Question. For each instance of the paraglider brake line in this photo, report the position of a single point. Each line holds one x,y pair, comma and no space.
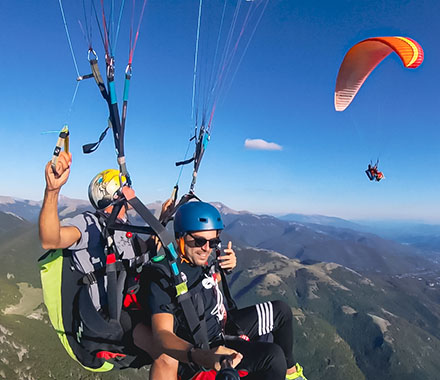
68,37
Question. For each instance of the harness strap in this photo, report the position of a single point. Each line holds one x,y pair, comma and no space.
185,162
202,143
194,314
90,278
114,121
128,73
156,227
90,148
115,272
129,228
200,148
196,322
183,296
98,78
120,293
229,323
112,286
226,291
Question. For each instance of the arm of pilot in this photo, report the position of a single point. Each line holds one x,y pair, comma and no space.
170,344
52,235
153,242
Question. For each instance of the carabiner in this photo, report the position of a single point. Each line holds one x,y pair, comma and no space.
110,68
128,71
90,52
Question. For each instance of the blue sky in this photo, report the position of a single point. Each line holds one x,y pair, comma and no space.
282,93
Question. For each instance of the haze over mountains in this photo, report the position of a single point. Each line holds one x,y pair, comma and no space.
364,307
422,236
312,243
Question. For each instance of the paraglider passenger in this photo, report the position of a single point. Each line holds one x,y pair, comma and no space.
197,227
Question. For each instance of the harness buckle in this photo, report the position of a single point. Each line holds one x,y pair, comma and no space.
181,288
89,279
133,289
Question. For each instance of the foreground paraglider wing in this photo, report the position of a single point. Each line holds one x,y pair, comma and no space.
363,58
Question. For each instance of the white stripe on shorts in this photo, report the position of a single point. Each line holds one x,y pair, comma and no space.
260,332
265,318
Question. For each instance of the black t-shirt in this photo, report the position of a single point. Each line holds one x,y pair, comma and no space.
201,283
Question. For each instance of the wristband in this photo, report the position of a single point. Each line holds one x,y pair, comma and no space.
189,355
191,361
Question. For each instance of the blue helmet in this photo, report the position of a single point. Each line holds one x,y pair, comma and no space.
197,216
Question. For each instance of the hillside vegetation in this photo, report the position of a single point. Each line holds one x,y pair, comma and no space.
349,323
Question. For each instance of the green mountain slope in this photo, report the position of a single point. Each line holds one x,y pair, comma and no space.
381,327
9,222
19,253
30,349
346,325
29,346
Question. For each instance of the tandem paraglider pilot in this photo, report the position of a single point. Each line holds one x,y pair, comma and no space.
82,236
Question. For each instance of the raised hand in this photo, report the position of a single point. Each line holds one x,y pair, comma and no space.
56,178
229,260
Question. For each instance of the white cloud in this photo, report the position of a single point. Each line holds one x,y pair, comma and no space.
260,144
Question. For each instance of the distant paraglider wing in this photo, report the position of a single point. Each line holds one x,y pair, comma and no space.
363,58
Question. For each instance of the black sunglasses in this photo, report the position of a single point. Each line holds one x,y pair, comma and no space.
200,242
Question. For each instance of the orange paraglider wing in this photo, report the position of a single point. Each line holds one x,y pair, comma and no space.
363,58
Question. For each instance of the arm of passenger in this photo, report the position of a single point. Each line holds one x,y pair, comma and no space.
170,344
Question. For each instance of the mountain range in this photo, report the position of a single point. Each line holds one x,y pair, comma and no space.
316,242
348,325
323,220
425,237
364,307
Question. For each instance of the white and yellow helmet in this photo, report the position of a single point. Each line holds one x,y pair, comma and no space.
104,187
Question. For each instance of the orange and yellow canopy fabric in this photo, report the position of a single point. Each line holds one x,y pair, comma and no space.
363,58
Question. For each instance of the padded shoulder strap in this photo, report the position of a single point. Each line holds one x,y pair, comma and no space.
191,307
